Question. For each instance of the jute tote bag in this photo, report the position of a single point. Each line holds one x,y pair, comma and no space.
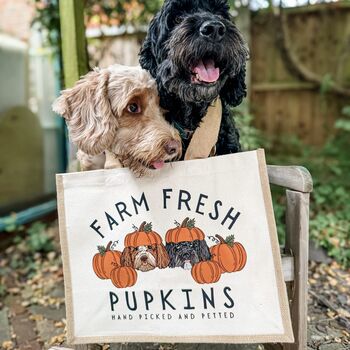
188,255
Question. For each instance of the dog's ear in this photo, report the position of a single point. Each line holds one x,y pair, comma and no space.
162,256
171,253
61,107
234,89
87,110
147,53
127,259
153,49
203,251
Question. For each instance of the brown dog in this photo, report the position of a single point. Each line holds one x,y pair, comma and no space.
114,118
145,258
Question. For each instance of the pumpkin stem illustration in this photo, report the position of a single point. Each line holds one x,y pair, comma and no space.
189,223
103,250
184,223
142,227
221,239
108,248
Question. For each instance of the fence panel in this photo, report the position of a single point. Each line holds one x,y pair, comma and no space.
283,103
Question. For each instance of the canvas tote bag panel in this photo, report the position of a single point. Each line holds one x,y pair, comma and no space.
199,250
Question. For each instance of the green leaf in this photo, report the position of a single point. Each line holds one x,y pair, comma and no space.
101,249
191,223
343,124
346,111
230,240
38,240
327,82
148,227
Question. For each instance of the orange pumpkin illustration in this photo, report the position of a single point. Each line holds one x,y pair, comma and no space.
123,277
230,255
206,272
105,261
186,232
144,236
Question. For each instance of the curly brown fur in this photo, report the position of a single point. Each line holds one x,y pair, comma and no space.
145,258
162,256
117,110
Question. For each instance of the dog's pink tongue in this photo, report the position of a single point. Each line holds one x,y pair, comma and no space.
206,71
158,164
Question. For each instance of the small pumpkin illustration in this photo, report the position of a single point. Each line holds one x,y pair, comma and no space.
105,261
123,277
230,255
206,272
186,232
143,236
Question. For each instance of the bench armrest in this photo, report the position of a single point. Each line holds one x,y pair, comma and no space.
295,178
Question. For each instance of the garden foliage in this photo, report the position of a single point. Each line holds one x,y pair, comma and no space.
330,169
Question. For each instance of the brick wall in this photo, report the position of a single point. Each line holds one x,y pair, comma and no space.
16,17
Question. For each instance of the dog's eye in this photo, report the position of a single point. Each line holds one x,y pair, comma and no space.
149,247
134,108
178,19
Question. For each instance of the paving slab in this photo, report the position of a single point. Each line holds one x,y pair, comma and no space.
5,331
14,303
58,291
332,346
47,330
30,345
48,312
23,327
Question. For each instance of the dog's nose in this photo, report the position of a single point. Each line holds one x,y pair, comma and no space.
144,258
214,30
172,147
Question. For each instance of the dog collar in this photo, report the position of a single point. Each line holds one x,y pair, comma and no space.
185,134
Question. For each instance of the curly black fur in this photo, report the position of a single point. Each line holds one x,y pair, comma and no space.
173,45
192,252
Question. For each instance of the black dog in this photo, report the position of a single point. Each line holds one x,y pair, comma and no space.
196,53
186,254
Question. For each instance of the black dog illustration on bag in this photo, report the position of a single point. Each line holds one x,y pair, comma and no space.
186,245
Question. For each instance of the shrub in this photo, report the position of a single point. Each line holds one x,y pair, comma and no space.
330,200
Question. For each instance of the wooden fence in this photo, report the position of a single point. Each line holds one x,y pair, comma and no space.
283,102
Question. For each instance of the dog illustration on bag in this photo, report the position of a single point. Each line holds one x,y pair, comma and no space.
186,245
144,250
